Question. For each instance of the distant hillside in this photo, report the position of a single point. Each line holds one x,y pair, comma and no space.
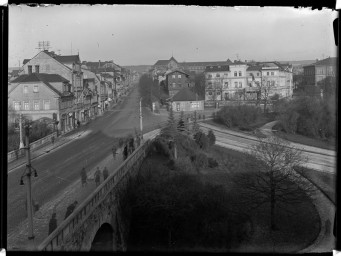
299,62
139,68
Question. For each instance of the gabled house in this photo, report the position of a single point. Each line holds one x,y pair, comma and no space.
164,65
186,100
40,95
176,80
68,66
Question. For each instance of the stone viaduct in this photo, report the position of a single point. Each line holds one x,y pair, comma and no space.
100,211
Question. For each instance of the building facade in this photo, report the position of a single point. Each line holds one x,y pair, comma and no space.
187,101
316,72
177,80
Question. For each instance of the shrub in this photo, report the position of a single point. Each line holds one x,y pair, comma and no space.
201,139
200,161
161,146
238,116
211,137
184,164
212,162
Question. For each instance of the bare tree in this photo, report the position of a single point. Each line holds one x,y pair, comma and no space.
265,89
274,180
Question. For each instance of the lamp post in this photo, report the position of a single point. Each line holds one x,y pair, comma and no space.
20,132
141,125
28,174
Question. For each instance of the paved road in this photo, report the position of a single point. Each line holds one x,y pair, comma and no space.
60,168
318,159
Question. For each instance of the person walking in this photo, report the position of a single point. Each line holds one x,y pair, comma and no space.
125,152
84,177
52,223
70,209
105,173
98,176
114,149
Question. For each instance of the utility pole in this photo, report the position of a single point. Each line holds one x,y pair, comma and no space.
20,132
141,126
28,174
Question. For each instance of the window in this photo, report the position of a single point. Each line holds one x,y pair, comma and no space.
46,104
209,93
209,84
37,68
257,74
26,105
235,84
17,105
235,73
226,95
226,74
195,104
240,84
240,73
29,69
209,76
218,93
36,105
217,75
179,76
267,73
35,88
226,84
174,85
272,73
25,89
180,85
173,76
250,74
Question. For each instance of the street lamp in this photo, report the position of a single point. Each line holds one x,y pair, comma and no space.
141,126
20,131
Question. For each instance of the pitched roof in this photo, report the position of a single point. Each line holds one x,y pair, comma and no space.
34,77
177,71
217,68
254,68
172,58
67,58
237,62
25,61
331,61
161,63
204,63
186,94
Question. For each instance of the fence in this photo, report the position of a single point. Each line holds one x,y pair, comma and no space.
13,155
57,238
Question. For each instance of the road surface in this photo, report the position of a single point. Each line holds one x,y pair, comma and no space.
318,159
61,167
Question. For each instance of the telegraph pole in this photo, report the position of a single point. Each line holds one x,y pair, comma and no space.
141,126
29,186
20,132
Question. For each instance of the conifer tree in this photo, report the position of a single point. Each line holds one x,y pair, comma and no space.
170,129
195,126
181,123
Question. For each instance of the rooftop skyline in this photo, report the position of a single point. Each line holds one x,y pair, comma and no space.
137,35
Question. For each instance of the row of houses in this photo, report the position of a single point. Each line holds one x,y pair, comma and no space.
225,81
65,89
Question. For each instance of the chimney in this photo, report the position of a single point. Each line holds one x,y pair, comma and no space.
99,63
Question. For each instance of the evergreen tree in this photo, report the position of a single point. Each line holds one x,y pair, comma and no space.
170,129
211,137
195,126
181,123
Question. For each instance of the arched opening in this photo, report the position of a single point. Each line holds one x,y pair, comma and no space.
104,239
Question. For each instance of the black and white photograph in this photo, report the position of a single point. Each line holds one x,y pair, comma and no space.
171,128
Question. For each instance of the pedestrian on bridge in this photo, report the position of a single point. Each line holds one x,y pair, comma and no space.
98,176
52,223
125,152
105,173
114,149
84,177
70,209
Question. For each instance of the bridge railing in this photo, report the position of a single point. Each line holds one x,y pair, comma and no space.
59,236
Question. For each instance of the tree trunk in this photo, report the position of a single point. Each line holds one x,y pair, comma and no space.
265,101
272,201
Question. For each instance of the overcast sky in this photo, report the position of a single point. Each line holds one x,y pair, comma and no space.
135,35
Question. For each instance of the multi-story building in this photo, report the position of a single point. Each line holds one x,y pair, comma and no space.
40,95
239,81
319,70
68,67
176,80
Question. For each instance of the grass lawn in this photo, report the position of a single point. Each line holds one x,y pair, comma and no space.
330,144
